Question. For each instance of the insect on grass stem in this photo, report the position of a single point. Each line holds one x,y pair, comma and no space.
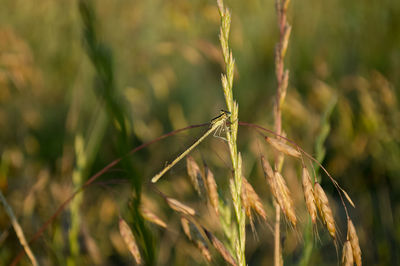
216,123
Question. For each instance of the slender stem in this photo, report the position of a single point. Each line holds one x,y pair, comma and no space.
18,230
282,79
277,251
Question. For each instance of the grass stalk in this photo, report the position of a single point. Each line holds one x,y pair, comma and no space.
282,77
231,135
18,230
106,89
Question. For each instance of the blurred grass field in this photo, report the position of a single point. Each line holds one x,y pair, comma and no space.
67,110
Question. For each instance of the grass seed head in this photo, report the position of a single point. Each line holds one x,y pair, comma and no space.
129,240
347,254
151,217
193,234
280,191
355,246
186,227
325,210
220,247
270,177
212,190
195,175
180,207
283,147
253,199
269,173
285,199
245,202
309,195
203,249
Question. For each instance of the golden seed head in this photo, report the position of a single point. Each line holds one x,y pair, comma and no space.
309,195
353,238
347,254
220,247
129,240
212,190
186,227
151,217
284,198
203,249
195,175
269,173
180,207
253,199
283,147
245,201
324,209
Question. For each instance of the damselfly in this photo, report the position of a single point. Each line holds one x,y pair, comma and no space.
215,124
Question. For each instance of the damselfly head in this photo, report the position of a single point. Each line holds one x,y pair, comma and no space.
224,112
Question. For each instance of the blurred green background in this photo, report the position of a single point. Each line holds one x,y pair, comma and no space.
78,90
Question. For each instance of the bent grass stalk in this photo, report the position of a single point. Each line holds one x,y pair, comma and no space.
215,124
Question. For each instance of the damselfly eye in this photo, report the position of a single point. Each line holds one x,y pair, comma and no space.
225,112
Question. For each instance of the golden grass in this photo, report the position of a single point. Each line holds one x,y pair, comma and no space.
309,195
325,210
129,239
355,246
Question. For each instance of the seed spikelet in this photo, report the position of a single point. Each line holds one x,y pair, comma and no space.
283,147
129,240
219,246
180,207
212,190
324,209
309,195
347,254
355,246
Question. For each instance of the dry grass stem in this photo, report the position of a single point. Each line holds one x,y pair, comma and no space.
285,42
151,217
283,147
212,190
180,207
219,246
18,230
129,240
347,254
195,175
353,238
325,210
309,195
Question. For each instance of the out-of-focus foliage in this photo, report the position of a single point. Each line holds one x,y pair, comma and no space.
166,67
